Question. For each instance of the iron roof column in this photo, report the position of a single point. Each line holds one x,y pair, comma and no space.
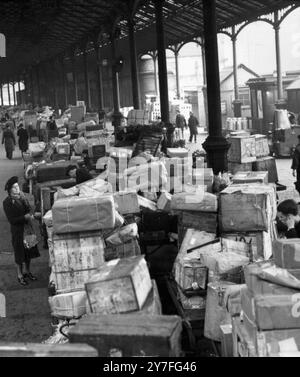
8,91
74,74
31,88
86,79
162,62
204,88
64,82
176,55
134,66
215,145
237,104
117,116
19,91
1,94
14,93
278,56
99,81
37,73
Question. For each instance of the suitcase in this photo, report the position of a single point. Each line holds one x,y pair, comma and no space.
52,172
130,335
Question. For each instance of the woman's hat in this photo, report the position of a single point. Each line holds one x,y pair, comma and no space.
10,183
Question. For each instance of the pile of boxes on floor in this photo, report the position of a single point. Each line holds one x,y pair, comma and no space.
99,274
251,153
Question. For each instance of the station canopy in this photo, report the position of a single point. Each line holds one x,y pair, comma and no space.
37,30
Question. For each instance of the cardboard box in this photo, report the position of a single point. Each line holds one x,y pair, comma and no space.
129,335
119,286
245,208
250,177
199,202
216,313
190,274
164,202
177,152
127,249
287,253
260,243
68,305
242,149
127,202
271,312
76,214
273,342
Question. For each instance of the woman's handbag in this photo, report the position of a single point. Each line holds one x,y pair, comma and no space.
30,241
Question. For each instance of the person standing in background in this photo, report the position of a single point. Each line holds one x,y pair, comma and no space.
193,126
296,165
23,138
9,141
180,122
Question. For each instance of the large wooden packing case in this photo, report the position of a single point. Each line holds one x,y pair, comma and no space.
130,335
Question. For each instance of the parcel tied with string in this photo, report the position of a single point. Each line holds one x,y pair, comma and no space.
76,214
247,208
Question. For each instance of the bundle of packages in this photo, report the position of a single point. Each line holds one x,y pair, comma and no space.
92,131
36,149
147,177
270,306
130,335
198,201
63,148
247,208
80,145
177,152
68,305
82,126
119,286
122,243
146,204
250,177
77,214
52,171
127,202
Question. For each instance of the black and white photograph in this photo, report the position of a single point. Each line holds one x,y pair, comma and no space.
149,181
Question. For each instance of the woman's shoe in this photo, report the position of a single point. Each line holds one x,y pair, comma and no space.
30,276
22,281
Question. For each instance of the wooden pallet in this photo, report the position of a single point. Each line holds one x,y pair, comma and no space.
243,346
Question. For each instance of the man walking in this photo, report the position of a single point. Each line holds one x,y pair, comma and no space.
296,165
193,126
180,122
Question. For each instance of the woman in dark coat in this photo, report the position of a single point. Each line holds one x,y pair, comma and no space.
193,126
18,213
23,138
9,141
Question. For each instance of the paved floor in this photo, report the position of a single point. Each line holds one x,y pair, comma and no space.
28,316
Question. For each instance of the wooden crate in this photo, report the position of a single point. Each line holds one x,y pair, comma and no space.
119,286
128,335
243,346
242,149
267,164
75,258
8,349
235,167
